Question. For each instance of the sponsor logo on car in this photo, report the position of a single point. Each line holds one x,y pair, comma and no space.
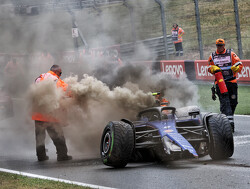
168,131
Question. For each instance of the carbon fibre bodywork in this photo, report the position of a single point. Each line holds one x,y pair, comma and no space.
159,126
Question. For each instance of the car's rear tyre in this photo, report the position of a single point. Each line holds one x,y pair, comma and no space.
117,144
221,144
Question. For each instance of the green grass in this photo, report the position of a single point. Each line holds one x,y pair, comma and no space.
207,104
9,181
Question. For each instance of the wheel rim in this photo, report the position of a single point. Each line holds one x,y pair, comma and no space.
106,142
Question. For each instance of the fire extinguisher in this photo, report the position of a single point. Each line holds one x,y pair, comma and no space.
221,82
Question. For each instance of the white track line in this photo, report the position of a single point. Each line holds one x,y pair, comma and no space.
53,179
241,143
241,115
241,140
241,137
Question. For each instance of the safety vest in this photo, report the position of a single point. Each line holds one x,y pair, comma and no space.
53,76
175,34
224,61
59,83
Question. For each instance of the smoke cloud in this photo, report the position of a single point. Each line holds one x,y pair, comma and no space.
101,91
127,90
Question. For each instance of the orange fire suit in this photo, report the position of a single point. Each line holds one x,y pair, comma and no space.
50,124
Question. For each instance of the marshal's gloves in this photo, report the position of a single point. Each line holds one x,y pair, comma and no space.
235,68
214,69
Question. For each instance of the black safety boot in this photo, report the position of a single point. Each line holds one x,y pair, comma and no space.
64,158
42,158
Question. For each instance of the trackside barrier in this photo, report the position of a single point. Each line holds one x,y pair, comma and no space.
198,70
194,69
174,68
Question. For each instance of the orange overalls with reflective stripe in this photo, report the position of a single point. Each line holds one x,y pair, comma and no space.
59,83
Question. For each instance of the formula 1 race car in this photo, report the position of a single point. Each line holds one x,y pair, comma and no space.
167,133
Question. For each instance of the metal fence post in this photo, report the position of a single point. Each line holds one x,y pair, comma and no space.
198,26
75,25
237,24
163,22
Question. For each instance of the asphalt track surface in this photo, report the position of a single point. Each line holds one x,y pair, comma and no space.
17,154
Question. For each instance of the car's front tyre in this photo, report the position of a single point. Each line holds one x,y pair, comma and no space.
117,144
221,143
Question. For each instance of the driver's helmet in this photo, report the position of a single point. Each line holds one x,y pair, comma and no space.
159,101
157,96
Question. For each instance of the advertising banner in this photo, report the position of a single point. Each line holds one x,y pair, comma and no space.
201,71
175,68
244,76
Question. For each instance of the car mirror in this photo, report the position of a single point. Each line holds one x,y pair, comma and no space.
194,113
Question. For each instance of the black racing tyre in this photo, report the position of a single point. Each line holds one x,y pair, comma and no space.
221,143
117,144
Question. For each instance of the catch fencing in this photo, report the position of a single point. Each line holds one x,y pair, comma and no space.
155,45
203,22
